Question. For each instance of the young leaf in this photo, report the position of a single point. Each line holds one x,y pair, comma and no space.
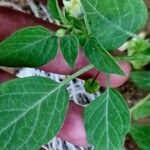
141,79
142,109
32,111
75,22
69,47
100,58
113,22
29,47
141,135
139,48
107,121
55,11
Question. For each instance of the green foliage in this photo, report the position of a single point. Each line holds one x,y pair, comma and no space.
141,135
82,39
138,48
76,23
91,85
107,121
69,47
141,79
29,47
100,58
55,10
32,111
113,22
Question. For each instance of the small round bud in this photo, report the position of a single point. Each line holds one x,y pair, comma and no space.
91,85
60,33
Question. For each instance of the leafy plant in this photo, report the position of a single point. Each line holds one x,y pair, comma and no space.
33,109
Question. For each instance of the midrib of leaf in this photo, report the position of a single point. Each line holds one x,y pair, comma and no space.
25,47
117,111
114,25
106,118
108,98
108,102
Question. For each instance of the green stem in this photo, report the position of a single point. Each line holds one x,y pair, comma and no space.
140,103
95,78
108,80
69,78
78,73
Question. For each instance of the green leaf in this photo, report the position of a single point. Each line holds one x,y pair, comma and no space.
141,79
142,109
55,10
76,23
69,47
29,47
81,39
100,58
113,22
141,135
107,121
32,111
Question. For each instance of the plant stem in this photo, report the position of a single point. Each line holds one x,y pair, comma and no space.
69,78
140,103
108,80
95,78
78,73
